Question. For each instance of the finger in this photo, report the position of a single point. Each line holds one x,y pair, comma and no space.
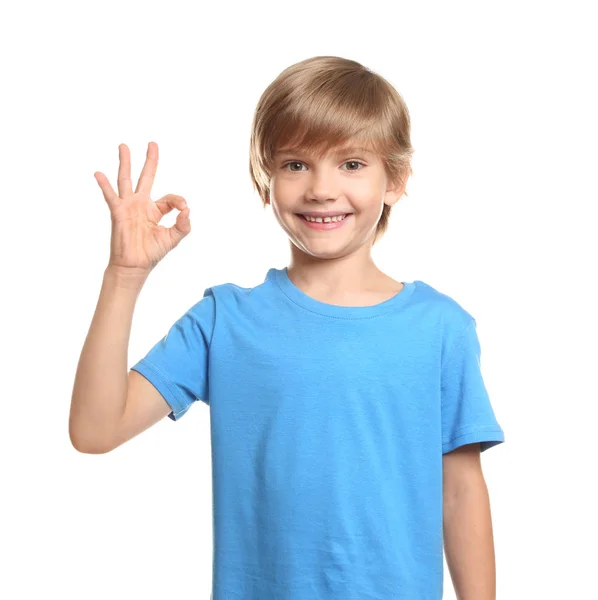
181,227
146,179
170,201
110,195
125,186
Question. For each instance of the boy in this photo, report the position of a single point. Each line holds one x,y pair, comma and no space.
347,409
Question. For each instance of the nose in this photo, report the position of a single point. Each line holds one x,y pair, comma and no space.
322,186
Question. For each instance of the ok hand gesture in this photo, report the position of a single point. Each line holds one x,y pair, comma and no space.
138,242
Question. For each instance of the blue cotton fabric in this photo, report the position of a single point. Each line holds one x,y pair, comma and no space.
328,426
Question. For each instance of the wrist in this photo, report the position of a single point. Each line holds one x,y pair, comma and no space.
127,277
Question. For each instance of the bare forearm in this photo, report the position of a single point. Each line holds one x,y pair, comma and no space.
469,543
101,380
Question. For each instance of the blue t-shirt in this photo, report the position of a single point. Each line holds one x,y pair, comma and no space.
328,425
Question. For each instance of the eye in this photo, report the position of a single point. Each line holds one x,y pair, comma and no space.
355,162
293,162
296,162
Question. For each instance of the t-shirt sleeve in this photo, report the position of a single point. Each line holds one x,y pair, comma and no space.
177,365
467,414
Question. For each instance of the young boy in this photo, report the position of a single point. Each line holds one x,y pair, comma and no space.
347,409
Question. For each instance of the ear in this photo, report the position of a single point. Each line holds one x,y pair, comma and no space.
394,191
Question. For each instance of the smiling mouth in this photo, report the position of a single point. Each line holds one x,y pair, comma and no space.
324,218
326,225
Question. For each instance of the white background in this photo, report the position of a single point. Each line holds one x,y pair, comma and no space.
500,216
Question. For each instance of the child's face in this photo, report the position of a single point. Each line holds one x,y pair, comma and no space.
347,181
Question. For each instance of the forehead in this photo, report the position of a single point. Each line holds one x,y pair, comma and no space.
335,151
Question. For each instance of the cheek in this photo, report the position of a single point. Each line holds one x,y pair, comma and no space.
366,201
277,189
281,187
363,191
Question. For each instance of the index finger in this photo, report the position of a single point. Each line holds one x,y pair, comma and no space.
146,179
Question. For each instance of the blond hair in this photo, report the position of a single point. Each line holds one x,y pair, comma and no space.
321,102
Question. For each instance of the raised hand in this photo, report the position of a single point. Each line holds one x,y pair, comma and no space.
138,242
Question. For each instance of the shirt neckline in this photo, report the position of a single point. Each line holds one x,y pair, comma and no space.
281,277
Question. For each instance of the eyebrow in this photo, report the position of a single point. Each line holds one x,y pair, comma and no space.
337,152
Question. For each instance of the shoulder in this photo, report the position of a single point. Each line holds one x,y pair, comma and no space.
453,322
232,297
232,292
449,310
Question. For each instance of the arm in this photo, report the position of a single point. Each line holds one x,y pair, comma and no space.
467,523
101,381
109,406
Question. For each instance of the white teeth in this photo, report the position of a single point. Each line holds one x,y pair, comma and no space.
325,219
